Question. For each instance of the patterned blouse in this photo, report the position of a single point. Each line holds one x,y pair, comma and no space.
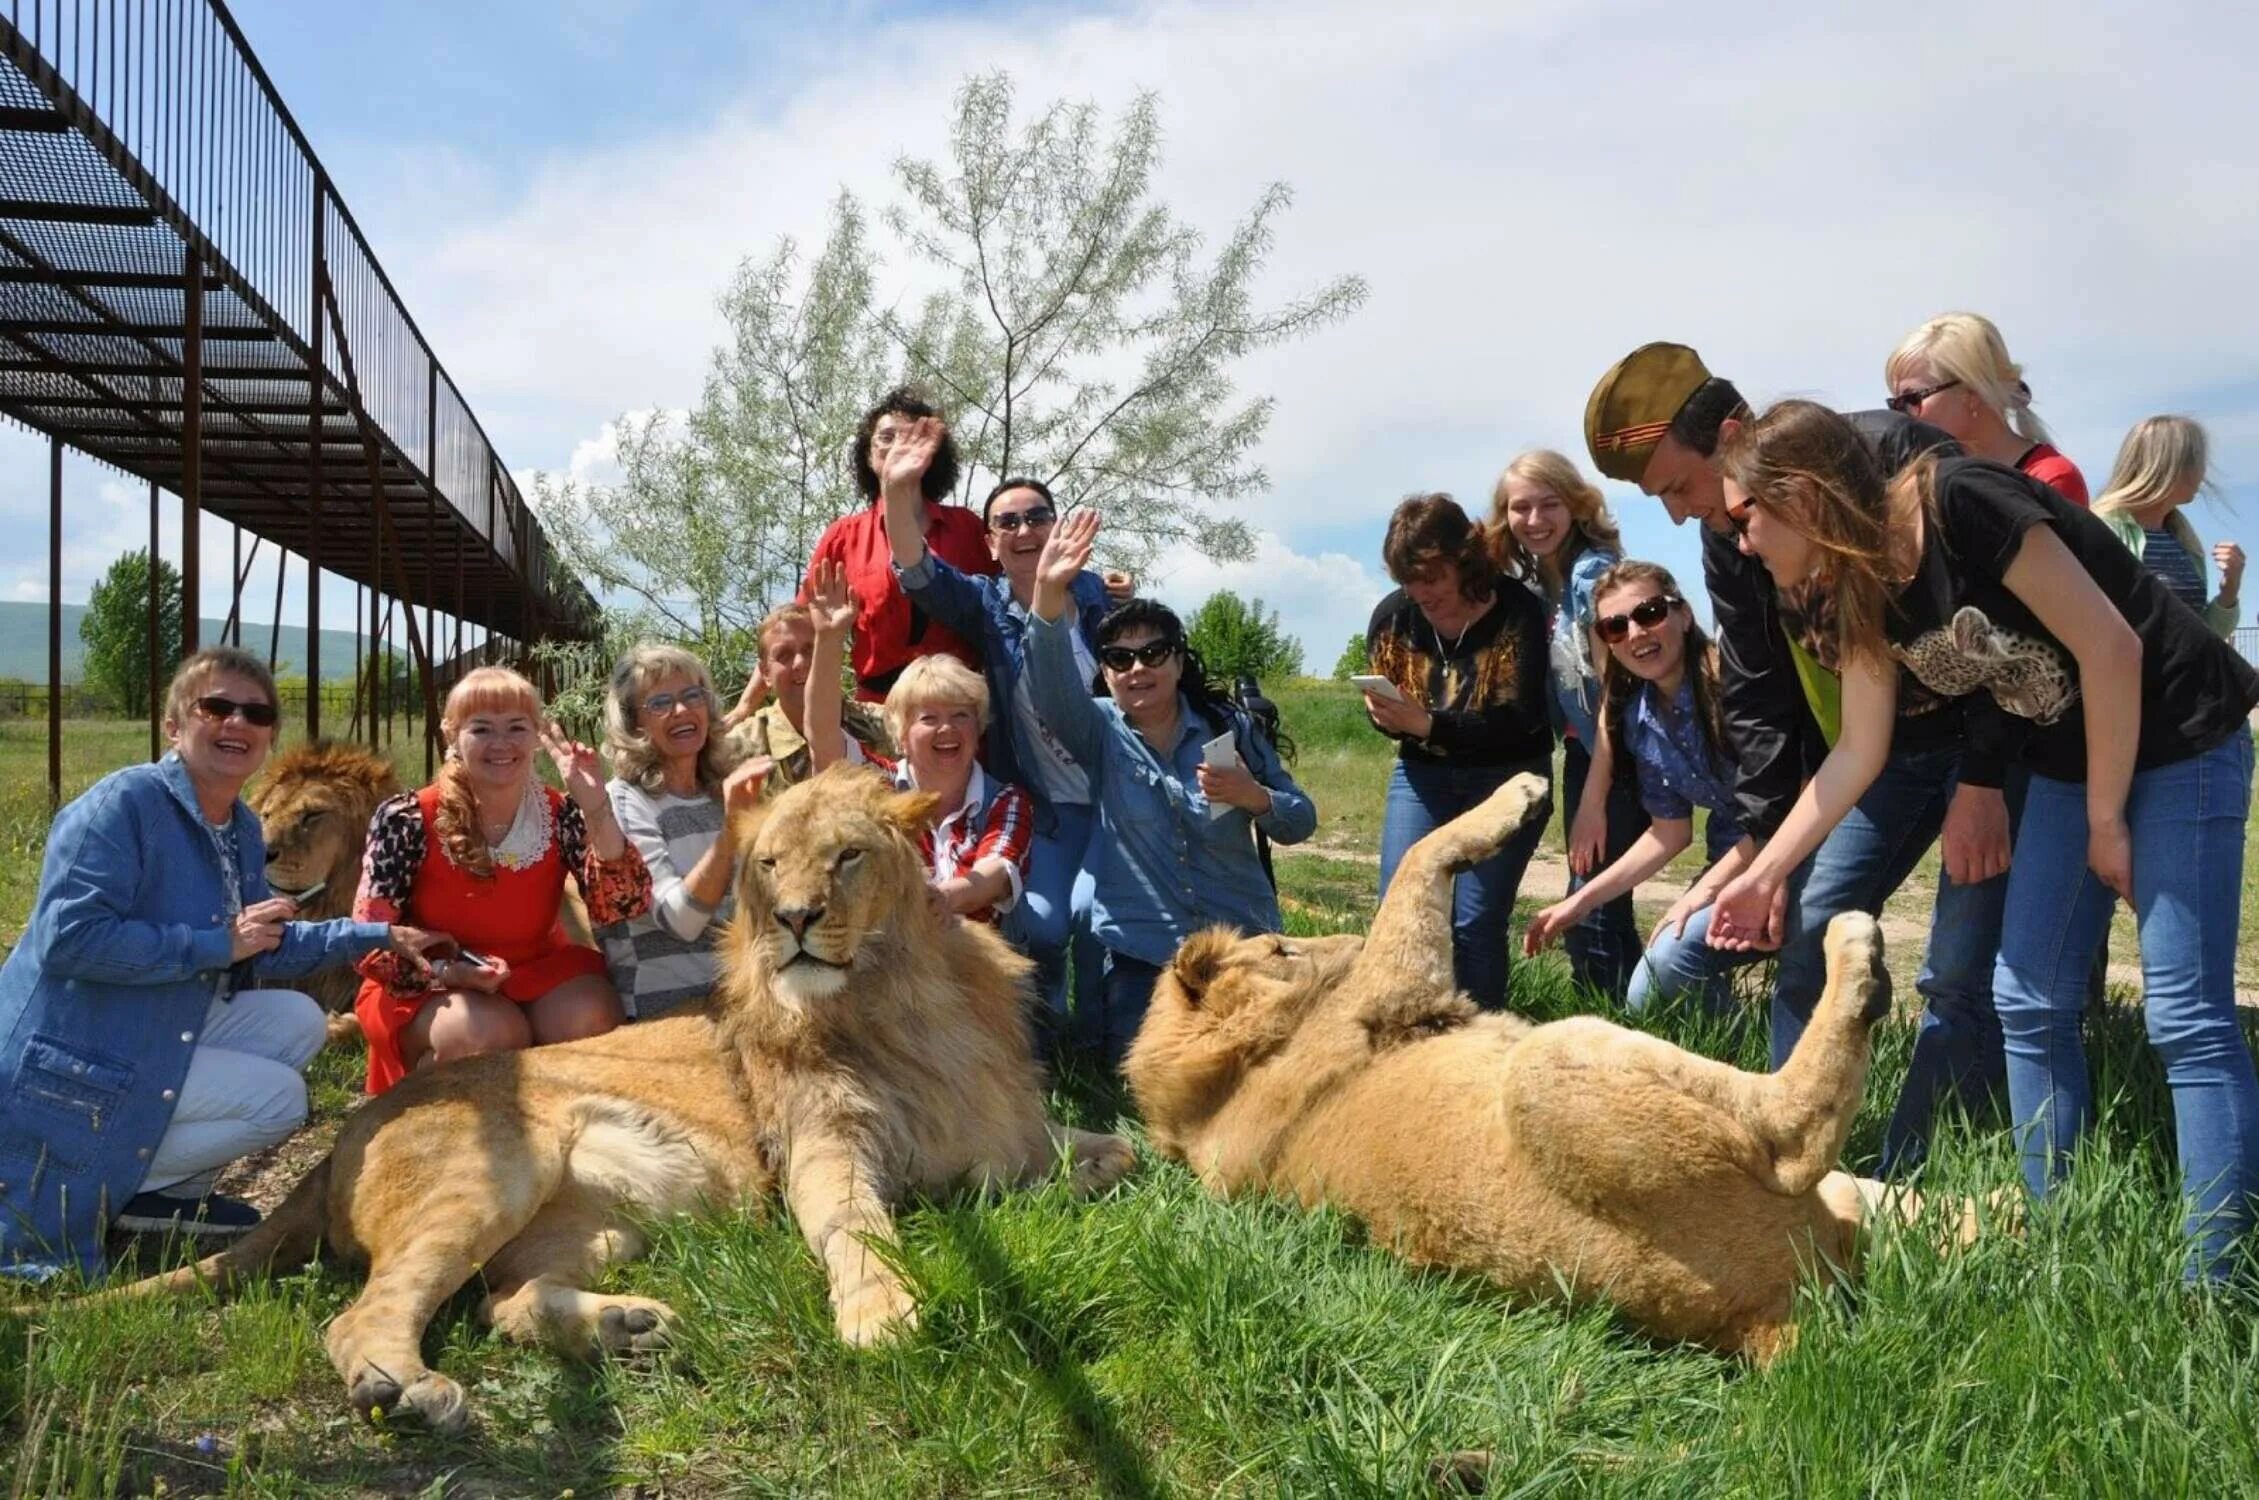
614,890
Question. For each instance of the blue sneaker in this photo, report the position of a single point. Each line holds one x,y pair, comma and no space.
211,1216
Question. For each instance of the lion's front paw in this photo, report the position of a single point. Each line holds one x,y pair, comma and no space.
877,1312
633,1325
1476,835
1100,1162
1854,948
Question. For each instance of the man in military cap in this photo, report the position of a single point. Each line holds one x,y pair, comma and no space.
1657,419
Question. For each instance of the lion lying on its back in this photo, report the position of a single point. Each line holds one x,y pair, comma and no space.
1581,1155
860,1049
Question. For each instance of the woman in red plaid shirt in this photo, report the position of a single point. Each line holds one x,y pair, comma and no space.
977,848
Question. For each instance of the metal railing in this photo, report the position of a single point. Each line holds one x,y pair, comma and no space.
170,92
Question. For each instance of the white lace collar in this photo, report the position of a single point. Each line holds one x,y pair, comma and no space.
528,838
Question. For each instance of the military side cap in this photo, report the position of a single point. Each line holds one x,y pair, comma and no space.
1632,406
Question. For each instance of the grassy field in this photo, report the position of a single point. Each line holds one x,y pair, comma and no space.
1156,1342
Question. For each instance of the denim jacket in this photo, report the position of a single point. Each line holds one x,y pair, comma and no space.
1164,869
102,1001
982,609
1576,677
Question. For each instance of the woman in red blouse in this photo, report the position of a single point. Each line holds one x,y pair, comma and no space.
482,854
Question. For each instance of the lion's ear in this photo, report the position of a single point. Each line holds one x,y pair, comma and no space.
1200,958
912,812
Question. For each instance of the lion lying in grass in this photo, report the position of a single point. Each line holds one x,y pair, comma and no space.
860,1048
1575,1159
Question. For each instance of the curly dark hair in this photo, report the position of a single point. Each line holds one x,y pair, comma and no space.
1211,701
1430,529
902,401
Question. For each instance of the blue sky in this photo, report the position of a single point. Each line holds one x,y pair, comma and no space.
560,190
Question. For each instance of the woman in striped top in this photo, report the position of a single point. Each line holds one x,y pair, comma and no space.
2160,469
674,791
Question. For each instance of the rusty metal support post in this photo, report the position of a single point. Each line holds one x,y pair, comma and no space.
156,643
431,599
314,385
191,451
54,623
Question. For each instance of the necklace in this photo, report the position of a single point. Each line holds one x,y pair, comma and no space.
1456,641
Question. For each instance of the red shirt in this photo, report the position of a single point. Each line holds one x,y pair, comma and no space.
2058,473
890,631
996,819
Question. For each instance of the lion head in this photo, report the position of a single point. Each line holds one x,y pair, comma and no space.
314,806
831,866
1223,1007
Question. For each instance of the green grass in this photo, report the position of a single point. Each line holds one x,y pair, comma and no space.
1158,1342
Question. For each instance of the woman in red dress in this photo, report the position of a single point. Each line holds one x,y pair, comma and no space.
481,854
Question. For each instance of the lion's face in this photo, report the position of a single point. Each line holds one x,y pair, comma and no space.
1224,1006
314,806
833,863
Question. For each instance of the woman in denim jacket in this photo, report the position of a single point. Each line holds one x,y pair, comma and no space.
1175,850
137,1053
1552,527
1020,748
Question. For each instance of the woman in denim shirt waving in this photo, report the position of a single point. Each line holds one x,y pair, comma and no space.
1175,849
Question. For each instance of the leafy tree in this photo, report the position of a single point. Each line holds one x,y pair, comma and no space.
1076,334
1353,660
1235,637
115,630
1085,341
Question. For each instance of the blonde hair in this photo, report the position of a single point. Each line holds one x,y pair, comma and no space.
1591,527
782,615
933,679
634,758
480,691
1968,348
2158,456
201,666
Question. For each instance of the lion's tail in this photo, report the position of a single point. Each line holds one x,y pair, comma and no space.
287,1237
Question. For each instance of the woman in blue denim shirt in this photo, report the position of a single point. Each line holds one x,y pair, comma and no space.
1175,848
137,1056
1661,703
1553,529
1020,748
1963,576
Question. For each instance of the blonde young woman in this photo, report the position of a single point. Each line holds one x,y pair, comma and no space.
675,785
1552,529
2160,469
482,854
1954,373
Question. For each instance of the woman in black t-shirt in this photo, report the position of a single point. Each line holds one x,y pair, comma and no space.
1964,576
1465,650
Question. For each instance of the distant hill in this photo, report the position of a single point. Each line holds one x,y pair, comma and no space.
23,644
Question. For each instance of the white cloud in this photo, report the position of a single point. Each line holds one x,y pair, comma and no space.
1310,593
1530,192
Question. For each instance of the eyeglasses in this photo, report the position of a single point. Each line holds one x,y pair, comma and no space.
1646,614
1151,654
1905,401
1737,516
664,703
219,710
1040,516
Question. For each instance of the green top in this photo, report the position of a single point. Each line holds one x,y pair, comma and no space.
1823,691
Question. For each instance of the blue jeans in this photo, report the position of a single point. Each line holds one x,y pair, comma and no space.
1860,864
2187,822
1603,949
1103,1025
1041,924
1422,797
1686,967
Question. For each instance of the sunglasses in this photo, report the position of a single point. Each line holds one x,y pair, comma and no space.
1646,614
219,710
1737,516
664,703
1042,515
1121,658
1905,401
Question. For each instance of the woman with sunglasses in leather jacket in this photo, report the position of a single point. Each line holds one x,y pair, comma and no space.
1660,698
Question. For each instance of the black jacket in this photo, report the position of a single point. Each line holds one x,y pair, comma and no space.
1769,727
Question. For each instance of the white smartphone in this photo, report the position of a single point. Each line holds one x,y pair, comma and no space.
1222,754
1379,687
